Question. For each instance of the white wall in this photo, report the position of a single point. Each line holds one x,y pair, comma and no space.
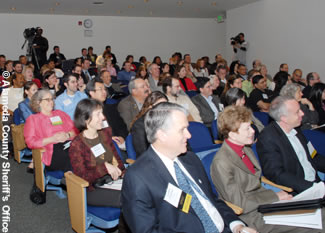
126,35
282,31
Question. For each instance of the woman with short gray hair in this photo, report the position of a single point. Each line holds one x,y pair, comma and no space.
310,118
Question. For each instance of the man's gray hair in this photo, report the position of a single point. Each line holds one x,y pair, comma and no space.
290,90
131,85
150,67
278,107
159,117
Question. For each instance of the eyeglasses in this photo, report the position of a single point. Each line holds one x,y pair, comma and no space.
48,99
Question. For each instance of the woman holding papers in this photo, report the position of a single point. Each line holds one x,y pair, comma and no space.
93,155
236,172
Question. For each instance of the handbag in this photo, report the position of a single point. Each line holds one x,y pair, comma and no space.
106,179
37,196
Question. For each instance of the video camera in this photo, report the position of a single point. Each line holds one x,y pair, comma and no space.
29,33
235,40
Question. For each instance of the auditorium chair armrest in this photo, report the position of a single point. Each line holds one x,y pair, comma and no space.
284,188
235,208
130,161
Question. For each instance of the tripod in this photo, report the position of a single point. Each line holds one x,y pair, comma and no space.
31,51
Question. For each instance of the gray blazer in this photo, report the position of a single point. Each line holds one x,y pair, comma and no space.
128,110
153,86
237,184
206,113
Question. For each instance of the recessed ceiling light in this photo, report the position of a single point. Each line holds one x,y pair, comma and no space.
13,8
98,3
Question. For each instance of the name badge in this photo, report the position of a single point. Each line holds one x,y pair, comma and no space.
98,150
56,120
104,124
177,198
265,96
67,102
311,150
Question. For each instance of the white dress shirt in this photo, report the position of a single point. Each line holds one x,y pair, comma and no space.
208,206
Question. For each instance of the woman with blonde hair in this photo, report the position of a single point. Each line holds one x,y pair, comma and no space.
28,72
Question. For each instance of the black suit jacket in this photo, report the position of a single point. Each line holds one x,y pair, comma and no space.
279,160
144,188
139,136
115,121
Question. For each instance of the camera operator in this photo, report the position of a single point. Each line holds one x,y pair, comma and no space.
240,48
41,45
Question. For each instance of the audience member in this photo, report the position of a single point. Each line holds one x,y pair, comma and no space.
297,78
260,98
130,59
30,88
162,169
233,81
130,106
242,71
68,100
310,117
92,56
17,67
311,79
97,91
57,57
317,98
283,151
234,67
126,74
87,73
200,70
28,72
84,54
89,163
247,85
236,172
14,94
237,97
280,79
284,67
209,105
185,82
51,82
114,90
2,63
172,90
49,129
153,78
110,67
139,137
9,66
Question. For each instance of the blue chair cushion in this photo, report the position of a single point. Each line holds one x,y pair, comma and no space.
106,213
55,174
207,161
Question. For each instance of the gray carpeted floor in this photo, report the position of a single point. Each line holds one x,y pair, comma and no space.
26,217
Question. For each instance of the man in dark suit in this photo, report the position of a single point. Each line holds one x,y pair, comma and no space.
208,105
153,186
96,90
284,152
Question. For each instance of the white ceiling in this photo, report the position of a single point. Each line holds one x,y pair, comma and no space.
130,8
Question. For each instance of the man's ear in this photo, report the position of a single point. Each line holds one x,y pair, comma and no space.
161,135
65,84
